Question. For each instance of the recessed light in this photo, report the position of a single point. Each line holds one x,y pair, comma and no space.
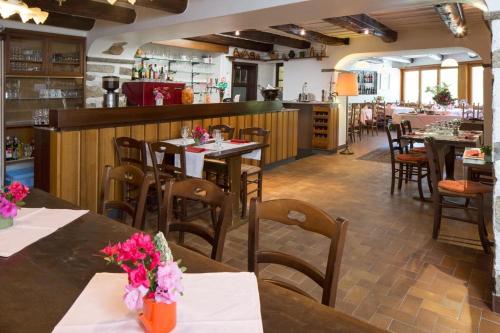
460,29
237,33
302,32
366,32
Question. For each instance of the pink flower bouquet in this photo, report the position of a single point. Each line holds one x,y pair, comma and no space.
152,273
11,199
200,135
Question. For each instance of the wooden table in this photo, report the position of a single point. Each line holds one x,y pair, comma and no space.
447,145
39,284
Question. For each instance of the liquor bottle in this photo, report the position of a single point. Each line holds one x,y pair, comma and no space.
8,149
15,148
151,74
156,72
162,74
134,73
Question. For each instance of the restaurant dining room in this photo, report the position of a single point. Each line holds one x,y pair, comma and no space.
249,166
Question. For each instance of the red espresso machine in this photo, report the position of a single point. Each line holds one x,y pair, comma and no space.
141,93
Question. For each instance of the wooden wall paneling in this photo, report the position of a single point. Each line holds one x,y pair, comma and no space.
188,123
70,166
175,129
274,137
216,121
207,122
106,154
268,124
279,142
55,162
151,132
199,122
225,121
89,169
285,138
137,132
163,131
240,124
233,122
248,121
295,131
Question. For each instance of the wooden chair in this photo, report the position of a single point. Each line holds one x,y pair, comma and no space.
127,176
255,171
372,124
466,189
207,193
130,151
227,131
308,218
403,164
355,127
382,117
164,169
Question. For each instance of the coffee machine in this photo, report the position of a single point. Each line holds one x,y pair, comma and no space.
111,97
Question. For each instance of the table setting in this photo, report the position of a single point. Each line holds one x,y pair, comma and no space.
155,295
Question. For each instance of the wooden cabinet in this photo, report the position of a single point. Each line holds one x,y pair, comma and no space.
38,54
325,124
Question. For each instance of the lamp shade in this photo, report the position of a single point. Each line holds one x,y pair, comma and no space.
347,84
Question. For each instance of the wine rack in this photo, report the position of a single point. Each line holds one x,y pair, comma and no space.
324,123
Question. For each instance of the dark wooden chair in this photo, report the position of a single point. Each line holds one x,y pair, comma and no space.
355,127
308,218
466,189
372,124
253,174
207,193
403,164
164,169
227,131
130,151
127,176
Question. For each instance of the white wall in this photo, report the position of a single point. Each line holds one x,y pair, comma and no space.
297,72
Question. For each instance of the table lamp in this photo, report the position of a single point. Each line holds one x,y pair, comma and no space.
347,85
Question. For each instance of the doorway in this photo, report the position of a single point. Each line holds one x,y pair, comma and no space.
244,81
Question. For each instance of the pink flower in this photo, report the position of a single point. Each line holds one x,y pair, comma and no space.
155,260
134,297
139,277
110,250
170,287
18,191
7,209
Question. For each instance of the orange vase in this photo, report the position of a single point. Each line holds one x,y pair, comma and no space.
158,317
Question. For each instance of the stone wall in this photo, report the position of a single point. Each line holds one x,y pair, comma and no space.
99,67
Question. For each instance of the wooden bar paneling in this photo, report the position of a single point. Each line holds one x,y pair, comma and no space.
295,133
78,157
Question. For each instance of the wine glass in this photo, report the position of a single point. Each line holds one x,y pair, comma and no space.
184,134
217,134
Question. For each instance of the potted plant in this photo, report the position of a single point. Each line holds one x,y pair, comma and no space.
154,279
441,94
222,86
11,199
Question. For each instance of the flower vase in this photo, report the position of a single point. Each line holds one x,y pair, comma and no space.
221,95
6,222
158,317
197,142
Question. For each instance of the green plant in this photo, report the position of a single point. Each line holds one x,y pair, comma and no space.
486,150
441,94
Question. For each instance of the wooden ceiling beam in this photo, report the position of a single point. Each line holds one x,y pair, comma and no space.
311,36
267,37
64,21
452,15
171,6
236,42
362,23
87,8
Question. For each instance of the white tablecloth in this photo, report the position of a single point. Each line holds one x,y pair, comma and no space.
31,225
366,114
421,120
390,109
196,161
212,302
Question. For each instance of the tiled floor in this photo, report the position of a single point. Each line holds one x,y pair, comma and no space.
393,273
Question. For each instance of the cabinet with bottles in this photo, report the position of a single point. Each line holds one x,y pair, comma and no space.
367,83
325,123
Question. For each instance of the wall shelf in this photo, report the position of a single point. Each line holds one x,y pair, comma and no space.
318,58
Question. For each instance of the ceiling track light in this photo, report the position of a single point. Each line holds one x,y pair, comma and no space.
237,33
12,7
302,32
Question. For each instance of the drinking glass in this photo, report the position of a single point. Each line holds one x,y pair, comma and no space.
218,139
184,134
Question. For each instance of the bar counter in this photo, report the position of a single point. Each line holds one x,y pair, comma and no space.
73,150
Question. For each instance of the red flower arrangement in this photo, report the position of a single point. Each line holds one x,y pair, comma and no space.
200,135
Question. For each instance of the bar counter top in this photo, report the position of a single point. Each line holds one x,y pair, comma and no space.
72,119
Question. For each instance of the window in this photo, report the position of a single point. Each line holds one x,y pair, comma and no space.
477,84
450,77
411,86
429,79
280,75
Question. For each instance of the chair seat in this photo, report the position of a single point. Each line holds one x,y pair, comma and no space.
464,186
420,150
411,158
250,169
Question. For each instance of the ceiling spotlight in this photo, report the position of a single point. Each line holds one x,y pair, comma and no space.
237,33
460,29
366,31
302,32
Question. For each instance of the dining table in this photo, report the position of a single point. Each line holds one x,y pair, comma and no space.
39,284
447,144
421,120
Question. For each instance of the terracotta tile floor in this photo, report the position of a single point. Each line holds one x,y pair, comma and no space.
393,273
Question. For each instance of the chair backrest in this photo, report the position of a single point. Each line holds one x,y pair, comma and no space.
163,159
130,151
127,176
227,131
308,218
207,193
406,127
394,143
435,171
256,134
